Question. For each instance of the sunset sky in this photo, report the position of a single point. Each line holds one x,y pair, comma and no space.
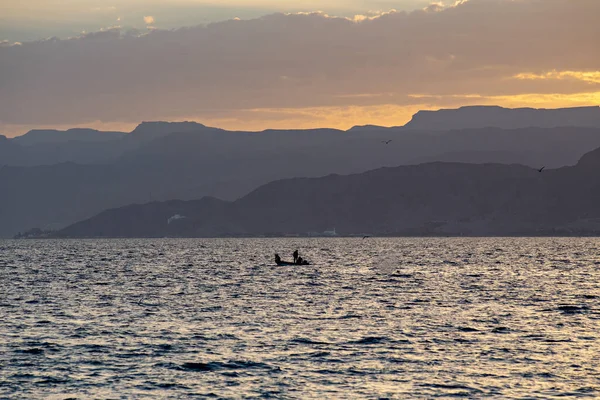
242,64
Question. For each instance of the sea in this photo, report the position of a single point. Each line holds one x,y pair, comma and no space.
374,318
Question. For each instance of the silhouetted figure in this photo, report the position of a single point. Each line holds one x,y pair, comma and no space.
298,261
295,256
541,169
386,141
277,258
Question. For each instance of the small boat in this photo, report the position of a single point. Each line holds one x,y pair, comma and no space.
282,263
288,263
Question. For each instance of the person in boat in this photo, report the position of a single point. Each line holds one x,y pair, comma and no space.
295,256
277,258
302,261
298,261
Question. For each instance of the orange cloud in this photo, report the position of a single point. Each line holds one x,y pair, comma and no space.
586,76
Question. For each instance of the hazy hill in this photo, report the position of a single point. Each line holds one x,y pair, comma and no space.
39,136
9,152
475,117
85,146
147,131
435,198
50,196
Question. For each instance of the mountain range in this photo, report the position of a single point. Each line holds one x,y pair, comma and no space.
477,117
428,199
89,146
51,179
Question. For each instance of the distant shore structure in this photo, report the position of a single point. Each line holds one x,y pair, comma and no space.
330,233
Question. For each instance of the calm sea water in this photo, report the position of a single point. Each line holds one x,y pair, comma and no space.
373,318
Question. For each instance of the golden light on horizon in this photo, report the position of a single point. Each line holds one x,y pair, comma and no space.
340,117
585,76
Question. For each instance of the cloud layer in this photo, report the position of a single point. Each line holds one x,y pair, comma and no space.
290,67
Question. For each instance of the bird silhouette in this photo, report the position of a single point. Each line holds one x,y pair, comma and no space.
541,169
386,141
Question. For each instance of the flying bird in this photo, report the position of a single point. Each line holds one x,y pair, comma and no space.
386,141
541,169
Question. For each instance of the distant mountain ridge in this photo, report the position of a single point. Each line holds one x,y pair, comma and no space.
153,130
45,136
86,146
428,199
89,146
478,117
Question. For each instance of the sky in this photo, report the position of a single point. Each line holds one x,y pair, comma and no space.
25,20
252,65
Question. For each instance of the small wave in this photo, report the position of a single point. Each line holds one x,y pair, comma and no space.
570,309
350,316
328,372
556,340
223,336
468,391
319,354
230,365
445,386
534,336
168,385
461,340
95,348
31,351
402,360
50,380
198,366
370,340
34,347
467,329
586,390
397,275
306,341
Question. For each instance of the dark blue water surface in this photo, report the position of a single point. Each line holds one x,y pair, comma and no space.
373,318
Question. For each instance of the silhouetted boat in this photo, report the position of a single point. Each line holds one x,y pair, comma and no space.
288,263
297,260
